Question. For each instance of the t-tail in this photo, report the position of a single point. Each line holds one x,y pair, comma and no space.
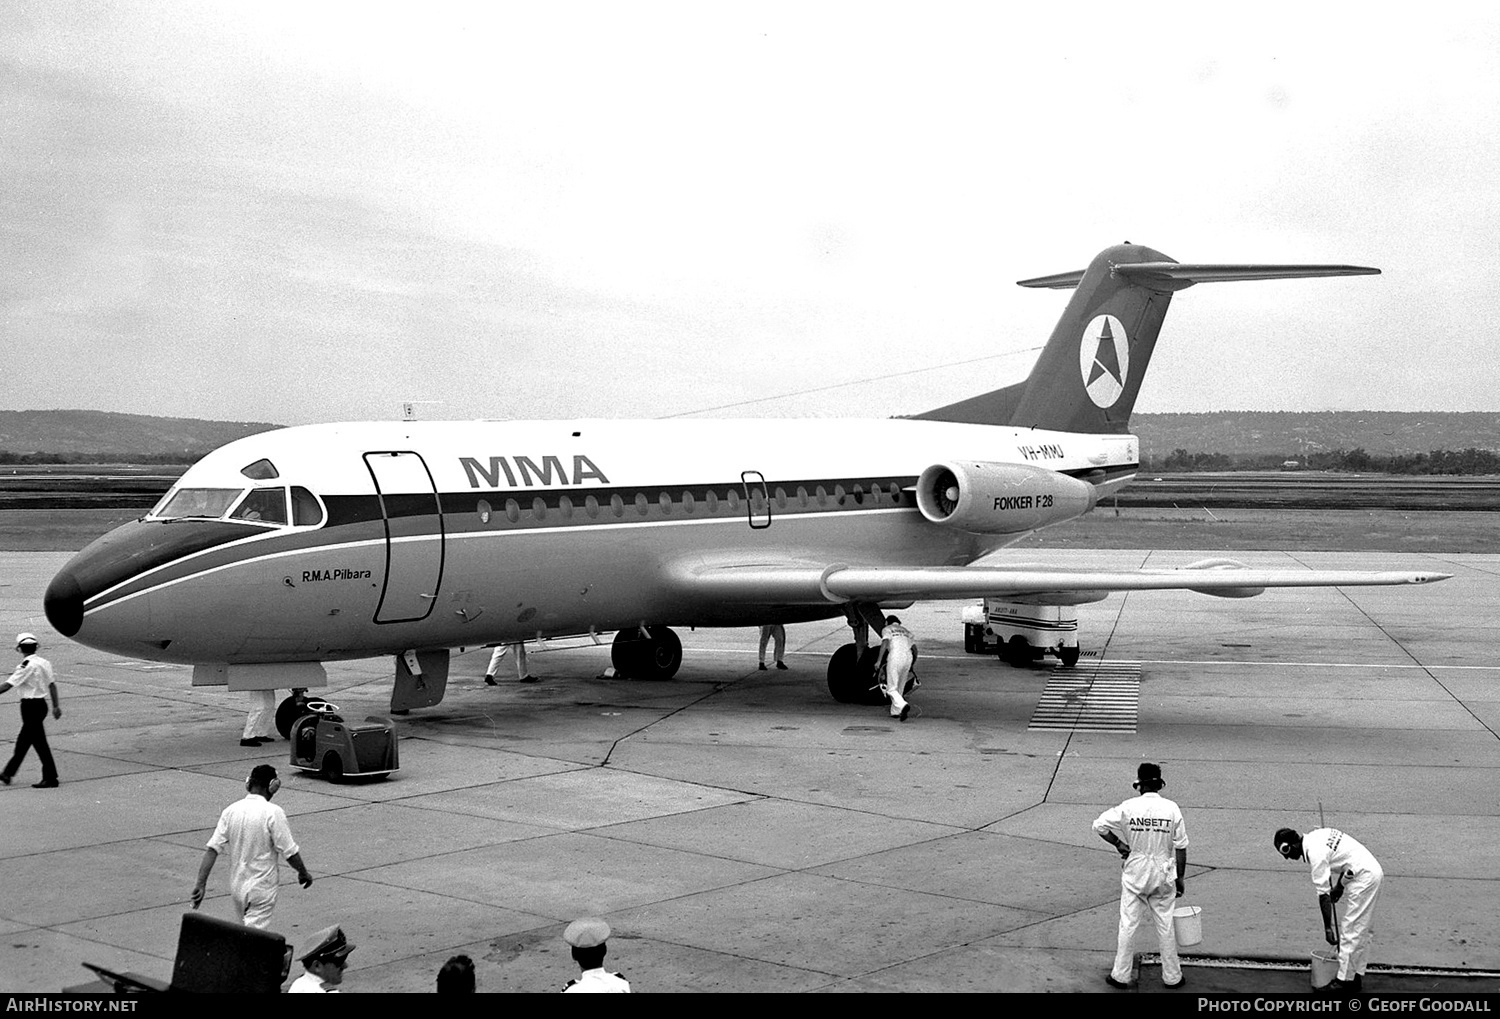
1088,375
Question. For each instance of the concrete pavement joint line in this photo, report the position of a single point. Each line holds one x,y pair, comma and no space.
1407,651
811,867
1057,767
717,689
1465,566
104,945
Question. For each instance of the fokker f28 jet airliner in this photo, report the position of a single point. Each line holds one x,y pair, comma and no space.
310,544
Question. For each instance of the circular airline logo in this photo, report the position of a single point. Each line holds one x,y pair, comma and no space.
1104,359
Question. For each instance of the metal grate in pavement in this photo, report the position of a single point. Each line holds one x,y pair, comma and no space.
1091,697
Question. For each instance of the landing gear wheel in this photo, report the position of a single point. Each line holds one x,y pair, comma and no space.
1017,651
656,656
973,638
1068,655
850,676
287,713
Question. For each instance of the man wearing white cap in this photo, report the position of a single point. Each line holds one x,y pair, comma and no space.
324,956
33,677
587,937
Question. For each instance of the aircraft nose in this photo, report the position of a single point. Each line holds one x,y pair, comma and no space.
63,603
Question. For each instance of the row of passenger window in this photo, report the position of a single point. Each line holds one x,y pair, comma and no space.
703,502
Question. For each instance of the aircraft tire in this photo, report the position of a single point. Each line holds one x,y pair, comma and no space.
850,676
658,656
287,712
1069,656
1017,651
662,655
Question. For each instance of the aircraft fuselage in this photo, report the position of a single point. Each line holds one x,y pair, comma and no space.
401,535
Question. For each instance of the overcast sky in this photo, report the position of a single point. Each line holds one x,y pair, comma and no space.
307,212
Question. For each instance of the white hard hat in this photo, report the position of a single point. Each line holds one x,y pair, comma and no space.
26,638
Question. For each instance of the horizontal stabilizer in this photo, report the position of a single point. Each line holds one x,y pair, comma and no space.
1180,275
805,585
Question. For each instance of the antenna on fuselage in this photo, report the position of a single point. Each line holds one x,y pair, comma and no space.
409,408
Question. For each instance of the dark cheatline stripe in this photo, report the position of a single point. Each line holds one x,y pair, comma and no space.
1091,697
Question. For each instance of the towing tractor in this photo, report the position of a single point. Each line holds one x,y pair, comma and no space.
1021,634
323,742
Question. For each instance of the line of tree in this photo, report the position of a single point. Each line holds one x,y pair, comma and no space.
1439,461
187,457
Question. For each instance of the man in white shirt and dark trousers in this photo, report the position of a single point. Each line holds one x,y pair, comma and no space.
1341,868
1151,838
33,678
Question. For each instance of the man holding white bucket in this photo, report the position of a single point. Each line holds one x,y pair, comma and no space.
1341,868
1150,836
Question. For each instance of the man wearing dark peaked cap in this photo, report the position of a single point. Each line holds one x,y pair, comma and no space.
324,956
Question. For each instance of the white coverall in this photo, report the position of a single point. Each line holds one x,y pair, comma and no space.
260,720
254,834
1152,826
1334,855
500,651
898,661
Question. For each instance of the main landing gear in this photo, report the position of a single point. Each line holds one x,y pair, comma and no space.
652,652
289,710
851,676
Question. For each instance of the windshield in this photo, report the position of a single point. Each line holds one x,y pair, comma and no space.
197,502
263,505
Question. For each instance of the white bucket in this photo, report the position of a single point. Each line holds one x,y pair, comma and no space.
1325,966
1187,922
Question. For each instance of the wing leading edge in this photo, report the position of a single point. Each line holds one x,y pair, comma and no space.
795,584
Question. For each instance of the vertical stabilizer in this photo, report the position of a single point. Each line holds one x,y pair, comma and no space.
1087,377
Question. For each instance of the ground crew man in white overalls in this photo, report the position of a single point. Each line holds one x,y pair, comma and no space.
523,674
1150,836
254,833
898,653
1341,868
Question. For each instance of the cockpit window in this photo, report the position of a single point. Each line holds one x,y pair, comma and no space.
198,502
305,509
261,470
263,505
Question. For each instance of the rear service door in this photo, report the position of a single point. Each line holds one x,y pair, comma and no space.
757,499
413,536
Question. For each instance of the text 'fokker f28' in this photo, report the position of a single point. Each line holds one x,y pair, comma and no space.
287,549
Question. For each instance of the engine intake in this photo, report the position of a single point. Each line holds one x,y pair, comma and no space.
1000,498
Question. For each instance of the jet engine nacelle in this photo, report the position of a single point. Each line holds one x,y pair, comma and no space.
1000,498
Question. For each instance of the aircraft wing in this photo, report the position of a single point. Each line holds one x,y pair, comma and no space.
802,584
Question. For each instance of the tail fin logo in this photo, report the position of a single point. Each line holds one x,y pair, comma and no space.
1104,359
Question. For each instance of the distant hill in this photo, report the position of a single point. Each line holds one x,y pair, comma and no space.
125,435
1233,432
1297,433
